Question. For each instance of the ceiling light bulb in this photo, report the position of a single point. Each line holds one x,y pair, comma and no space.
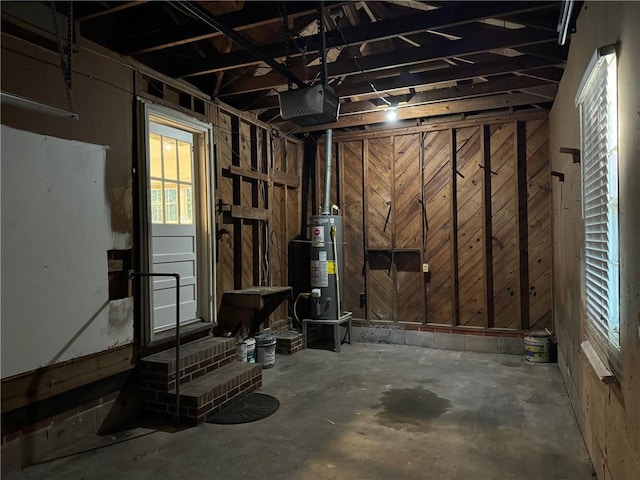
392,114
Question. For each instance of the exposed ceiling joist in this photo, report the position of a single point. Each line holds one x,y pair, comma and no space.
242,20
121,6
534,86
455,56
407,57
463,72
385,29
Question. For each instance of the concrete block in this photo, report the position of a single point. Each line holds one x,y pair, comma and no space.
477,343
11,456
34,447
511,346
379,335
419,339
449,341
71,430
102,412
397,336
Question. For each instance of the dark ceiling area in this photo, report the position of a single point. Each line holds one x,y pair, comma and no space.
428,60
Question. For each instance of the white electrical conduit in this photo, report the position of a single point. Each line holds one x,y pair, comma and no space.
334,236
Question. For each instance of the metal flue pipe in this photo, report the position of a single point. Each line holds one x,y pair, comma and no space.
326,206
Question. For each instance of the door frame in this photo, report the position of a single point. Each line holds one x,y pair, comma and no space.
204,171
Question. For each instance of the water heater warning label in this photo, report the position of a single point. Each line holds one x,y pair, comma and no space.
331,267
319,274
317,236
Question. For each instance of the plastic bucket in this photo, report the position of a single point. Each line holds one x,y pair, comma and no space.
537,346
266,349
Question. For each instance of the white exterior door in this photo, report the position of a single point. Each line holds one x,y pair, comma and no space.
173,229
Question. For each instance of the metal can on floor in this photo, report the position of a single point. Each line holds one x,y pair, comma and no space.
266,349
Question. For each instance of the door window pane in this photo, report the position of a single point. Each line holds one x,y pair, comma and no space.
186,204
170,153
156,202
171,203
155,150
184,158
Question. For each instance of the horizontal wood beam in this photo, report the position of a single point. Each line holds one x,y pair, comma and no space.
248,213
241,20
433,19
464,72
408,56
469,90
288,179
52,380
489,102
246,173
445,123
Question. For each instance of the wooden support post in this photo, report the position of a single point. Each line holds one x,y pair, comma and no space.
485,140
423,216
365,225
392,210
255,203
523,222
237,200
454,226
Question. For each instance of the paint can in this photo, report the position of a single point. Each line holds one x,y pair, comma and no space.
241,352
537,345
266,349
251,350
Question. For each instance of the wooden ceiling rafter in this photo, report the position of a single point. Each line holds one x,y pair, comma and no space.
463,72
428,57
109,10
407,57
385,29
194,32
536,87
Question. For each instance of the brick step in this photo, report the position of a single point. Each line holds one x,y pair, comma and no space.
158,371
207,394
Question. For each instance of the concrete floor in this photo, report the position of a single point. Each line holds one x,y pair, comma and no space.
373,411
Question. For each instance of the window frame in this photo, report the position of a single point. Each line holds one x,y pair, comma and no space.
608,347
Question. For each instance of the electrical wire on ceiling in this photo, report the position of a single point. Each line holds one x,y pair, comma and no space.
355,59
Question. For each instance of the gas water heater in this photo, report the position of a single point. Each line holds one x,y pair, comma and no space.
326,267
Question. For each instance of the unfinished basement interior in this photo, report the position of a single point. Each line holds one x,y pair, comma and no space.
320,240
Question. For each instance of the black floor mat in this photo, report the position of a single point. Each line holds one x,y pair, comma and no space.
251,407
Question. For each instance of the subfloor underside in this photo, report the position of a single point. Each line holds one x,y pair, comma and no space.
373,411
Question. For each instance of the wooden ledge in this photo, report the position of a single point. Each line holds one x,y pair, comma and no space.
602,370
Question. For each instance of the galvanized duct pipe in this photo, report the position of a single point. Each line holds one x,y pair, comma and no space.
326,207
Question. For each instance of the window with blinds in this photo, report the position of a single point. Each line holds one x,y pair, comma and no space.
597,99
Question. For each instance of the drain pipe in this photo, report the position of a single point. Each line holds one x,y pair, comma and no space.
326,207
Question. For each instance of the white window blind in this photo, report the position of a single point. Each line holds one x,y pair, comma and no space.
599,156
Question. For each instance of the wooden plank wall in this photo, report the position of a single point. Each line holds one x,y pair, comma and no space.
351,164
379,221
471,202
439,241
407,210
257,172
